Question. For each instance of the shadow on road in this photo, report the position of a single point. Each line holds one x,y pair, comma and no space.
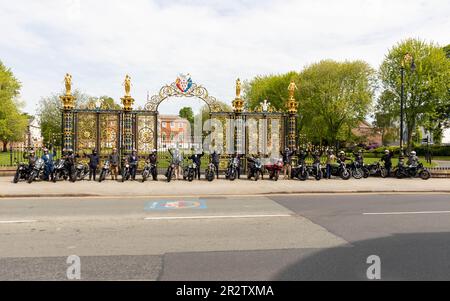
411,256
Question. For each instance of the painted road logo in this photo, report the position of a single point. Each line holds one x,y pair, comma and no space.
175,205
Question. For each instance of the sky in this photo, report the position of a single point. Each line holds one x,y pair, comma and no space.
99,42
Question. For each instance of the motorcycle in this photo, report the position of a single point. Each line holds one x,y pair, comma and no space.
356,170
341,170
126,172
403,171
254,169
149,170
81,171
231,172
376,169
62,171
22,172
210,172
274,168
189,172
37,172
106,171
315,170
300,171
170,173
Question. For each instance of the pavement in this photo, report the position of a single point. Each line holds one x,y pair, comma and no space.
276,237
219,187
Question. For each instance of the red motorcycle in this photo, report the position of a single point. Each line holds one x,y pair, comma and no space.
274,168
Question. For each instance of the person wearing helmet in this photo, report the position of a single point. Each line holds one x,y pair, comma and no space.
48,164
287,162
94,161
342,157
316,157
359,158
31,157
114,163
197,159
413,160
215,160
302,155
330,159
177,159
152,157
387,159
132,159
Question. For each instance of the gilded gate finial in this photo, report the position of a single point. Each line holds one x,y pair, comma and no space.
292,103
67,99
127,100
238,102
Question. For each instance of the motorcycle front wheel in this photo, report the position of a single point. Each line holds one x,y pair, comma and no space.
16,177
31,177
357,173
345,174
425,174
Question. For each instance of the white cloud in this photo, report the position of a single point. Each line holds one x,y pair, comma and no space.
216,41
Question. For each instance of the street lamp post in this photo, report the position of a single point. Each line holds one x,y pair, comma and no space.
407,58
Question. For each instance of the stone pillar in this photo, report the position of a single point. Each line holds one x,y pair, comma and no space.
68,101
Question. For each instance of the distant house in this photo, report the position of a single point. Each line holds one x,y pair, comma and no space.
174,131
32,136
368,134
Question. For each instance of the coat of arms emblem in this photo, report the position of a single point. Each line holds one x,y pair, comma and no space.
184,82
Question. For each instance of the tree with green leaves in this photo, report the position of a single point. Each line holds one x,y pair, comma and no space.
427,86
49,113
333,97
13,123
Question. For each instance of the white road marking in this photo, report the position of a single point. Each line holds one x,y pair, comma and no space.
216,216
404,213
18,222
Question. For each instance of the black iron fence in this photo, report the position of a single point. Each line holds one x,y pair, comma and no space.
16,155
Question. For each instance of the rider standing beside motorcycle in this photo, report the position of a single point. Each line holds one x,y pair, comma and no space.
387,159
342,157
359,158
197,159
152,157
48,165
132,159
215,160
330,159
114,163
94,160
69,159
177,158
287,162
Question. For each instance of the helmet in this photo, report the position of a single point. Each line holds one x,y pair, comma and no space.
341,153
413,153
154,150
360,152
286,149
386,151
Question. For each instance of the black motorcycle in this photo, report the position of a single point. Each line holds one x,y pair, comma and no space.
315,171
341,170
63,171
170,173
403,171
231,172
81,171
106,171
356,169
300,171
126,172
376,170
189,172
22,172
37,172
149,170
210,172
254,169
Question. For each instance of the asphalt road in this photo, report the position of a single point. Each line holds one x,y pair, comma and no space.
289,237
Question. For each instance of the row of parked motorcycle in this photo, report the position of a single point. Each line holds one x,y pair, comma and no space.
255,171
